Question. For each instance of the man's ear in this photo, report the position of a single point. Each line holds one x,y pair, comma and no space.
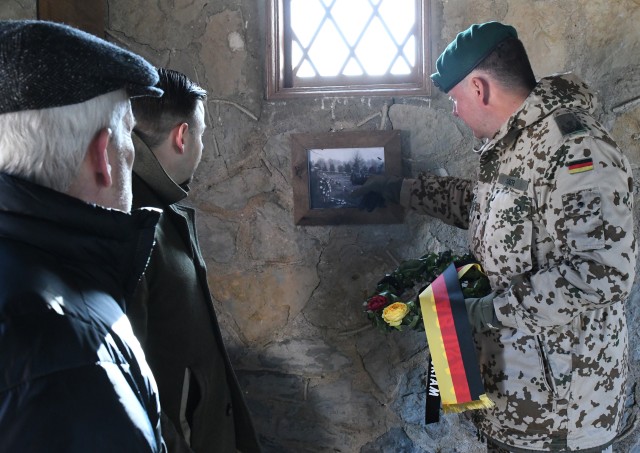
99,157
481,89
179,133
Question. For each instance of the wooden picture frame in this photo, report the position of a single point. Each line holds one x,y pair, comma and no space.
327,167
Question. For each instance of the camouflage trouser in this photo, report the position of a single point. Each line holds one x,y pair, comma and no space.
493,448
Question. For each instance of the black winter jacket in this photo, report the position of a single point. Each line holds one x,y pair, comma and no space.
73,376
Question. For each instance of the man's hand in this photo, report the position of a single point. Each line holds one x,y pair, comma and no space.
386,187
481,313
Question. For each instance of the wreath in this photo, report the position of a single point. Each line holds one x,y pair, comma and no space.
394,305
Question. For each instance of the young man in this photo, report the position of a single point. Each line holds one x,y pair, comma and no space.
172,312
74,378
550,221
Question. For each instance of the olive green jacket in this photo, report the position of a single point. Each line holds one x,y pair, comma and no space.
172,314
551,222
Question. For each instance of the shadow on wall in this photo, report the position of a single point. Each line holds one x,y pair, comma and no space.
330,404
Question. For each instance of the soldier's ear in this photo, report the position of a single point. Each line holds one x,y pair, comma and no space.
481,89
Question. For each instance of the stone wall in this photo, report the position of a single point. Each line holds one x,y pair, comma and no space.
318,377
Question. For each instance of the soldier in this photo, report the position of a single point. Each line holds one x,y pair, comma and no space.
550,221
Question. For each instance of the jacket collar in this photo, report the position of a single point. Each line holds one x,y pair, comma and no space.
149,169
550,93
111,245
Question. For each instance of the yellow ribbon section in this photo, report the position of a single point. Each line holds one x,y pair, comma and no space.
464,269
483,403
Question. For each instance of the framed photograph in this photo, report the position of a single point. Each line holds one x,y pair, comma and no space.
328,167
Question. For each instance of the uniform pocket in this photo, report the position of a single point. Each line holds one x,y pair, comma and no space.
556,355
507,235
509,221
583,220
545,366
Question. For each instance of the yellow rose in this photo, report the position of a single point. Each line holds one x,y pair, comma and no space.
395,313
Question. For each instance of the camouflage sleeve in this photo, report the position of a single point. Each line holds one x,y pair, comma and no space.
443,197
587,210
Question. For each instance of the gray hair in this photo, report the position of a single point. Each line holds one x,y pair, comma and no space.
47,146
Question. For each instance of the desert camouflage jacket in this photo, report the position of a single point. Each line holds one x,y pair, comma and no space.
550,220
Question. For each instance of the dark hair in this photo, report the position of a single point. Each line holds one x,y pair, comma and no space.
155,117
509,65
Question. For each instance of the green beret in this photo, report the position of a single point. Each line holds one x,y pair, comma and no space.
466,51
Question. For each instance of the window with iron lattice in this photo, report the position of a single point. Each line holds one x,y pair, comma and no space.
347,47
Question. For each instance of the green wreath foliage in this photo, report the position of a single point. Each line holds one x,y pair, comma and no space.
406,282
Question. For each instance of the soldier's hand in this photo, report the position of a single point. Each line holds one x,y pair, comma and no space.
482,314
370,201
388,187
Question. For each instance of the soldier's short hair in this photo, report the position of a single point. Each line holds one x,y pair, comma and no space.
509,65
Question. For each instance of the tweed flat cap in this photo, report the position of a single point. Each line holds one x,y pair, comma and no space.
47,64
467,51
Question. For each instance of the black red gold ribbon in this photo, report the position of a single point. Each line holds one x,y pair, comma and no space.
451,344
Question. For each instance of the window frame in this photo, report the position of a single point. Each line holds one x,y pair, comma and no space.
87,15
276,75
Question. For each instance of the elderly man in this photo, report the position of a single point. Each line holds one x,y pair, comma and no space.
550,221
74,378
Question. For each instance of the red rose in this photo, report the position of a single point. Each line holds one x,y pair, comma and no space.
377,303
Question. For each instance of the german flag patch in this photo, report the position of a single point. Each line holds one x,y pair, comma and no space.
579,166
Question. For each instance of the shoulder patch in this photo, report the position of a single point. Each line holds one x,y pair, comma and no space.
579,166
569,124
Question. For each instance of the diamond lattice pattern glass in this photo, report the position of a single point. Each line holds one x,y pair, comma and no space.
352,37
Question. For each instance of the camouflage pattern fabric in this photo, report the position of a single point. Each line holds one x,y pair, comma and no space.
550,220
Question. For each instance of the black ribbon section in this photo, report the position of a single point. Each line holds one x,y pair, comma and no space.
463,332
432,407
